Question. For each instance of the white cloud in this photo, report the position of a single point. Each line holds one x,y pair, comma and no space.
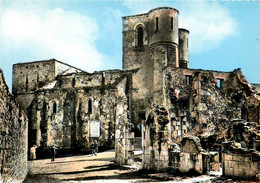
43,33
51,33
209,23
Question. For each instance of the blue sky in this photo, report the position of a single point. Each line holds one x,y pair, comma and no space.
224,35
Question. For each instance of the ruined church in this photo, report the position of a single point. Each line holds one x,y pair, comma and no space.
155,103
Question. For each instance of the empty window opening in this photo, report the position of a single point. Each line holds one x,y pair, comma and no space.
220,83
171,23
26,82
157,23
188,79
90,106
140,122
244,113
54,108
140,32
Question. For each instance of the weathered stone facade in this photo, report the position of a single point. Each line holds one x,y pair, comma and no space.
62,111
156,97
178,101
241,163
13,137
240,153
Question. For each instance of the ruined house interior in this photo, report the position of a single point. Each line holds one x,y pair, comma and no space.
182,119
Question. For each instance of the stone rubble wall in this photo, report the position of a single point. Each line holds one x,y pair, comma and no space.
157,139
124,136
240,165
202,108
188,164
240,155
13,136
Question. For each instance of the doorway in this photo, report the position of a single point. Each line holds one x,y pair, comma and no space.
139,128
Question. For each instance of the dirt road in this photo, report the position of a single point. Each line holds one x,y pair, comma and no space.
100,168
84,168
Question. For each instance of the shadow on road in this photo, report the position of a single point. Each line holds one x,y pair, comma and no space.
83,169
47,177
67,161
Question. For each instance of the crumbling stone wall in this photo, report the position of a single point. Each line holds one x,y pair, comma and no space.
157,139
243,132
202,108
242,95
156,90
240,153
124,135
13,136
257,88
192,156
30,76
240,162
62,112
194,103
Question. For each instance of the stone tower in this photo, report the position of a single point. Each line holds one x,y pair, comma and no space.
183,48
150,44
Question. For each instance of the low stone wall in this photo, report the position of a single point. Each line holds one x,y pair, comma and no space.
191,162
240,165
13,136
156,160
187,162
190,158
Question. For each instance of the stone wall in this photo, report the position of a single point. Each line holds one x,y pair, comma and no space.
240,165
13,136
194,103
240,157
190,162
62,112
190,157
158,48
203,107
29,77
124,135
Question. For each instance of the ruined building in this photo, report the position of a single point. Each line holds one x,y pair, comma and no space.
13,137
156,101
67,106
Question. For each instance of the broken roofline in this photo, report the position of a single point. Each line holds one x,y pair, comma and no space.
115,70
82,71
49,60
99,72
204,70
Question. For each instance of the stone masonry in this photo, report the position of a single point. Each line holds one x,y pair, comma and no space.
156,98
13,136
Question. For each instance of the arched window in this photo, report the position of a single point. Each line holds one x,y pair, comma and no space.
157,23
140,36
171,23
90,106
